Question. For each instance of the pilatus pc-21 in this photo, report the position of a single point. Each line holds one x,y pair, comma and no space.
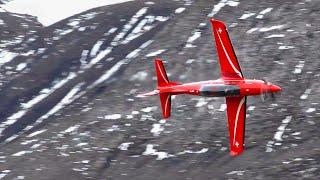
232,85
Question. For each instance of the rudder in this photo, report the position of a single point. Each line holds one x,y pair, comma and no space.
161,73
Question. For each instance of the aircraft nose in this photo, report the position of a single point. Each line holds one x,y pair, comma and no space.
275,88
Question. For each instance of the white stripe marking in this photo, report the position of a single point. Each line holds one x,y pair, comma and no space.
237,117
224,49
160,70
165,106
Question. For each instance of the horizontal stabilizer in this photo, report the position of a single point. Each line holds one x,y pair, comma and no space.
165,100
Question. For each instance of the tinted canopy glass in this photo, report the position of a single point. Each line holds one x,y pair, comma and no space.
219,90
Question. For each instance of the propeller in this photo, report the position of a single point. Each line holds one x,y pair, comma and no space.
267,95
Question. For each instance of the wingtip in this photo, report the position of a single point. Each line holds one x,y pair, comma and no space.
235,153
217,22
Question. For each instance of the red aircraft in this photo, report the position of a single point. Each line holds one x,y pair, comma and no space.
231,85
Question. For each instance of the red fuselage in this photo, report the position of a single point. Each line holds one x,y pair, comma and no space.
221,88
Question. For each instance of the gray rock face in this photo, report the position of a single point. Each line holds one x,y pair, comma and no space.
69,109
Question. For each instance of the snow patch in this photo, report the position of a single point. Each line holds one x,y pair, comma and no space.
21,66
223,107
247,15
310,110
192,38
222,4
71,129
25,107
265,11
251,108
179,10
252,30
36,133
152,54
117,66
266,29
281,128
149,109
7,56
125,146
201,102
203,150
299,67
128,26
113,116
69,98
157,128
153,152
305,94
95,49
275,36
238,173
141,76
285,47
21,153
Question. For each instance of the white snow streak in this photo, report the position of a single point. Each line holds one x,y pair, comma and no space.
128,26
275,36
113,116
158,128
267,10
220,5
298,67
25,107
152,54
252,30
21,66
6,57
192,38
247,15
179,10
286,47
151,151
201,102
117,66
21,153
223,107
305,94
96,48
125,146
71,129
36,133
70,97
310,110
281,128
4,173
265,29
203,150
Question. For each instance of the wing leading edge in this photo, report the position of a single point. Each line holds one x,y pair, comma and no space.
229,65
236,111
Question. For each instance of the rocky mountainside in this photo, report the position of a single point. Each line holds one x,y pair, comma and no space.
69,109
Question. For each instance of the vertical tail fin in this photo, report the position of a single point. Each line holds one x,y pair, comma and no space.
165,98
161,73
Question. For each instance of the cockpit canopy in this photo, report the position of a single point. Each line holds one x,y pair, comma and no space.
217,90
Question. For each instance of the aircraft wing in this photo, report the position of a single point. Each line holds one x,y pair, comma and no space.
229,65
236,111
